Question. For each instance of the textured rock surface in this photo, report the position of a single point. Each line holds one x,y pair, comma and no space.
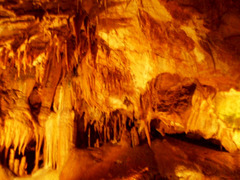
88,72
176,160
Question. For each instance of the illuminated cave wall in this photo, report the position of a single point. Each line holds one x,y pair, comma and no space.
81,73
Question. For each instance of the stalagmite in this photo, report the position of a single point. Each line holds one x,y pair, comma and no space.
11,159
105,133
89,137
22,166
108,134
134,137
96,144
16,166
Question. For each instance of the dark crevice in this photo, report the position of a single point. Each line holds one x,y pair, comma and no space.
191,138
35,103
155,123
30,157
29,154
199,141
81,140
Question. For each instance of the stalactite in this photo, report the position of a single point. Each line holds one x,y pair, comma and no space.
7,143
37,151
49,142
25,141
66,55
18,65
16,140
24,59
86,25
78,20
58,50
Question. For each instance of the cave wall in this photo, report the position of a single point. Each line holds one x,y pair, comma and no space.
74,69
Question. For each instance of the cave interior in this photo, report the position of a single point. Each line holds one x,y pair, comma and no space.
119,89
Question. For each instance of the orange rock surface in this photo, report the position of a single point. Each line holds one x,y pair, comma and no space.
84,73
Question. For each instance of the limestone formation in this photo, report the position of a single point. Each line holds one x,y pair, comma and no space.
85,73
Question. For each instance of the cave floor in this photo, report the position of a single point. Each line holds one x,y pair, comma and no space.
168,158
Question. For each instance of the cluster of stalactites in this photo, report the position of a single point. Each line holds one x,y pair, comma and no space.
14,139
117,127
66,39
